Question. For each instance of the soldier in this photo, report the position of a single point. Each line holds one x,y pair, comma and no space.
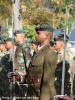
9,44
59,47
2,48
7,59
42,70
4,82
22,60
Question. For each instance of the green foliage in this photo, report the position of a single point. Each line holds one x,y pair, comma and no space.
4,11
30,32
40,12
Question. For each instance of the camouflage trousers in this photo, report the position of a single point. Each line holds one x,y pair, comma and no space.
20,90
4,84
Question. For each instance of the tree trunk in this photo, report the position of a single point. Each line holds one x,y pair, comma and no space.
16,15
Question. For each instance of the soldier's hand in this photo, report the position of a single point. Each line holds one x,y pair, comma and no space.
17,76
64,98
14,74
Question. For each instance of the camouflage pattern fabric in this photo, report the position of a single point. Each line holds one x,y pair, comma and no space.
68,55
4,83
3,53
22,58
58,73
58,82
7,63
22,61
5,67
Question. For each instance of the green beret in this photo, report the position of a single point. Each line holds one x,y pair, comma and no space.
44,28
61,38
2,42
19,31
9,39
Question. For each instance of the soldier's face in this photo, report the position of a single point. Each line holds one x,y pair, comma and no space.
17,37
40,36
58,45
2,47
9,45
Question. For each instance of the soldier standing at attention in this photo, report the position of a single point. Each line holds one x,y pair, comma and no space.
22,60
2,49
59,47
4,82
42,70
7,59
9,45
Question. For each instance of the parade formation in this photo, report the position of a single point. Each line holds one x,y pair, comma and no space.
42,69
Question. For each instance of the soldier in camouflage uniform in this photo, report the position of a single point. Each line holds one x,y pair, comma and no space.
22,60
4,82
59,47
7,59
2,49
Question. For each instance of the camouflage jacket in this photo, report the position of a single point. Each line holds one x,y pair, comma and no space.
6,60
4,83
22,60
2,54
68,55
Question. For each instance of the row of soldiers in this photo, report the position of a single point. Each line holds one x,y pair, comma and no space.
34,71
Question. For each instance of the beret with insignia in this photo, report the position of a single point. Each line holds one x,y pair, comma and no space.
9,39
19,31
44,28
61,38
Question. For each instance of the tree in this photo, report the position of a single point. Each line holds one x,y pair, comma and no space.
16,15
51,12
5,11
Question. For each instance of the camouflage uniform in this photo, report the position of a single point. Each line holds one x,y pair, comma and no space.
7,61
22,61
58,72
4,82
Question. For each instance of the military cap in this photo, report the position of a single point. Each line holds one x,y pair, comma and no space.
19,31
2,42
61,38
35,42
44,28
9,39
